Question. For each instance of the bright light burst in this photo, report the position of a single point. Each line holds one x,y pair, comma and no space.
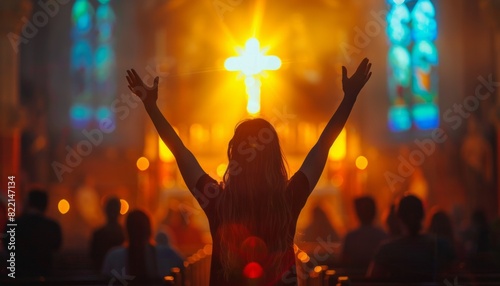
251,62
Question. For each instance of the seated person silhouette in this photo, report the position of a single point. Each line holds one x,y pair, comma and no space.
413,256
360,244
440,225
478,242
168,257
107,236
37,238
141,258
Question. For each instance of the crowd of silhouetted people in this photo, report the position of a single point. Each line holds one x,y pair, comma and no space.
114,250
416,247
410,246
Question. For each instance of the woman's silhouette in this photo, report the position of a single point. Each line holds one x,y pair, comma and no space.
253,212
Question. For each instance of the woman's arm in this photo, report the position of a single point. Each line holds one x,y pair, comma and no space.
189,167
316,159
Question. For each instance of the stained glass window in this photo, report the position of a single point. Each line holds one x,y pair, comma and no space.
412,65
92,63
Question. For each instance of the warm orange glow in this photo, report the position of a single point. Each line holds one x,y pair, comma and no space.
150,145
337,180
165,153
330,272
123,206
142,163
207,249
343,278
221,169
63,206
303,257
361,162
252,62
198,135
339,148
307,133
219,131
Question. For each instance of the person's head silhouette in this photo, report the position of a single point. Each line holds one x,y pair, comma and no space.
37,200
112,209
139,235
365,209
255,158
161,238
440,225
138,227
411,213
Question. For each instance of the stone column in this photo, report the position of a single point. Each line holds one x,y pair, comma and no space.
491,9
497,115
12,14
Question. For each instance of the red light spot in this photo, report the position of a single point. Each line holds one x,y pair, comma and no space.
253,270
254,249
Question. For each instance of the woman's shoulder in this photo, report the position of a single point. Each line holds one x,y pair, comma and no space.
298,178
206,182
298,185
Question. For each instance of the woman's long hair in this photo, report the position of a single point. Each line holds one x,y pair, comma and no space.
411,213
139,235
253,213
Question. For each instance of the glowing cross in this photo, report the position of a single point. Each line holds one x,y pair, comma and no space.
252,62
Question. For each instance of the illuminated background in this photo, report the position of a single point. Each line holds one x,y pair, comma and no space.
427,56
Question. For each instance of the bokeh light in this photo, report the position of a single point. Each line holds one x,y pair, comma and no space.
302,256
123,206
103,112
142,163
361,162
63,206
168,278
80,115
253,270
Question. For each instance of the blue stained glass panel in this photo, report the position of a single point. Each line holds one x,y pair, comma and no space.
424,25
398,29
412,66
81,15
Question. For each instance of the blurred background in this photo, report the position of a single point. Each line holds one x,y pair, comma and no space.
426,123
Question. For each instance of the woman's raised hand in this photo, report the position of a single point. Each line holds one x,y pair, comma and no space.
148,94
353,85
